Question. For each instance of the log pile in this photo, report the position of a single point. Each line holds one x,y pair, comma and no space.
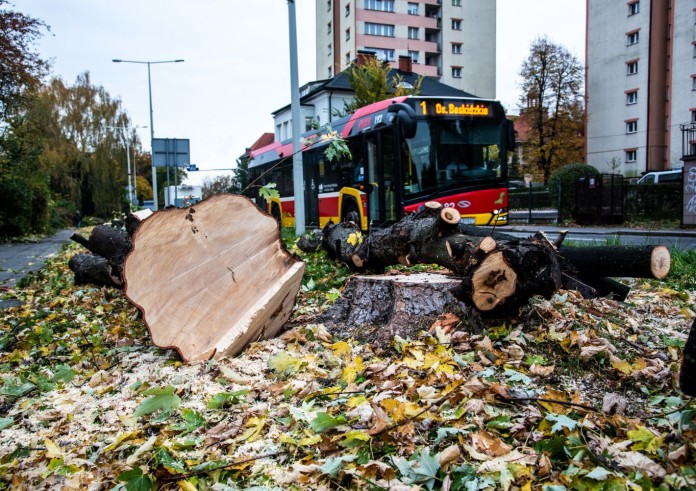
497,273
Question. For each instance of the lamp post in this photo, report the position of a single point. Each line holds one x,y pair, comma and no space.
152,127
132,185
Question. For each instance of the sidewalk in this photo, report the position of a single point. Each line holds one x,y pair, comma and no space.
19,259
600,230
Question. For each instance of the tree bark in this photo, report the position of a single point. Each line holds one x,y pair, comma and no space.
95,270
375,308
687,376
110,243
620,261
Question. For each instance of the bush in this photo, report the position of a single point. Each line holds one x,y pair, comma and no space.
564,180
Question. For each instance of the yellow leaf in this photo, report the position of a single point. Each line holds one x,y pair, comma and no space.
341,348
186,486
645,440
255,425
355,401
309,440
52,450
350,373
621,365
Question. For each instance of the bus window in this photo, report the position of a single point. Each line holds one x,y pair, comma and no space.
371,187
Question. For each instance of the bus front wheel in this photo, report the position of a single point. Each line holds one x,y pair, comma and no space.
350,212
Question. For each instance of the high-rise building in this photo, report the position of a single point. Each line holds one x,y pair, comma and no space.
450,40
641,83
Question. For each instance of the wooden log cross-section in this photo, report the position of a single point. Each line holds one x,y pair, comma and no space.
211,278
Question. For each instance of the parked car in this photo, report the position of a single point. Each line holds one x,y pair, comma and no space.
661,177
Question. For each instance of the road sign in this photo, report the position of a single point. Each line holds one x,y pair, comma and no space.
171,152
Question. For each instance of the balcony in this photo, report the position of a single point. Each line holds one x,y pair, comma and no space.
688,141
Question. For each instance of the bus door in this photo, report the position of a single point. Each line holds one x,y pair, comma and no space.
311,188
383,198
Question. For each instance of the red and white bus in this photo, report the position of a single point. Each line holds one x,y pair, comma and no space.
405,151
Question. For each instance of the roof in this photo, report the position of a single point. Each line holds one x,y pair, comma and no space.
341,83
262,141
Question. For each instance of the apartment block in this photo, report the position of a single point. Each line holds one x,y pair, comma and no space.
641,83
452,41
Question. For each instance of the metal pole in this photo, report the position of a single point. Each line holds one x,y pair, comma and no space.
297,171
152,140
135,178
130,184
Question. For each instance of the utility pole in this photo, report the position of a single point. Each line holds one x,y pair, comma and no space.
297,171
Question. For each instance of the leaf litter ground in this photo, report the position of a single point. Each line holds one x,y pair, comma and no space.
572,394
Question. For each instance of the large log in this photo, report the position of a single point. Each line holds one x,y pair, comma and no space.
620,261
687,376
108,242
211,278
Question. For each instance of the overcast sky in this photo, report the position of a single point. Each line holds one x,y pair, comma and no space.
236,69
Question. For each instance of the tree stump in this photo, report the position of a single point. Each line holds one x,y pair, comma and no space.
375,308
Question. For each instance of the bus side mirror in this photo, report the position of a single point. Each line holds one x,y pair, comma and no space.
406,116
510,134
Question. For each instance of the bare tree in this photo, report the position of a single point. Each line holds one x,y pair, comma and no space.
551,99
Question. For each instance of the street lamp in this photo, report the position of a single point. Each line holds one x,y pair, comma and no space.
132,196
152,127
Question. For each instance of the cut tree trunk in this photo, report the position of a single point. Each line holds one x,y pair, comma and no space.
375,308
211,278
687,376
495,275
95,270
110,243
620,261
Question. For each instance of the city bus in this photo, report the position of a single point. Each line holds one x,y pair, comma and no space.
405,152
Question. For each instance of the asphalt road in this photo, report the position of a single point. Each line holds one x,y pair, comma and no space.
17,259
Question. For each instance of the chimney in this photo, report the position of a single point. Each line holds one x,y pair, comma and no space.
364,56
405,64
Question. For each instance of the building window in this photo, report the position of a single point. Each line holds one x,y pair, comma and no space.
633,8
632,97
412,8
413,33
347,9
328,5
383,5
456,48
693,115
457,24
348,34
456,3
414,56
632,38
328,28
330,72
382,54
328,50
693,82
379,29
632,126
694,44
456,72
348,58
631,68
631,156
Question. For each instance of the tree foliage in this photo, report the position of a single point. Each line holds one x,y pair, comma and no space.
217,185
371,80
21,68
551,99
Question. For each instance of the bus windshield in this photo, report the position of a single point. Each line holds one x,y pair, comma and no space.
452,153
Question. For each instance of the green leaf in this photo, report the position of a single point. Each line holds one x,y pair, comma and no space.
136,481
515,376
429,466
63,373
192,420
6,423
499,423
561,421
160,399
16,389
269,191
223,399
165,459
598,474
333,465
324,421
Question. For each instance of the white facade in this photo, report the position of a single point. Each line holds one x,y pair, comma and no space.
453,41
640,61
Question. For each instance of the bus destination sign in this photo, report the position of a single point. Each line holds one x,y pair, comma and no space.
458,108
